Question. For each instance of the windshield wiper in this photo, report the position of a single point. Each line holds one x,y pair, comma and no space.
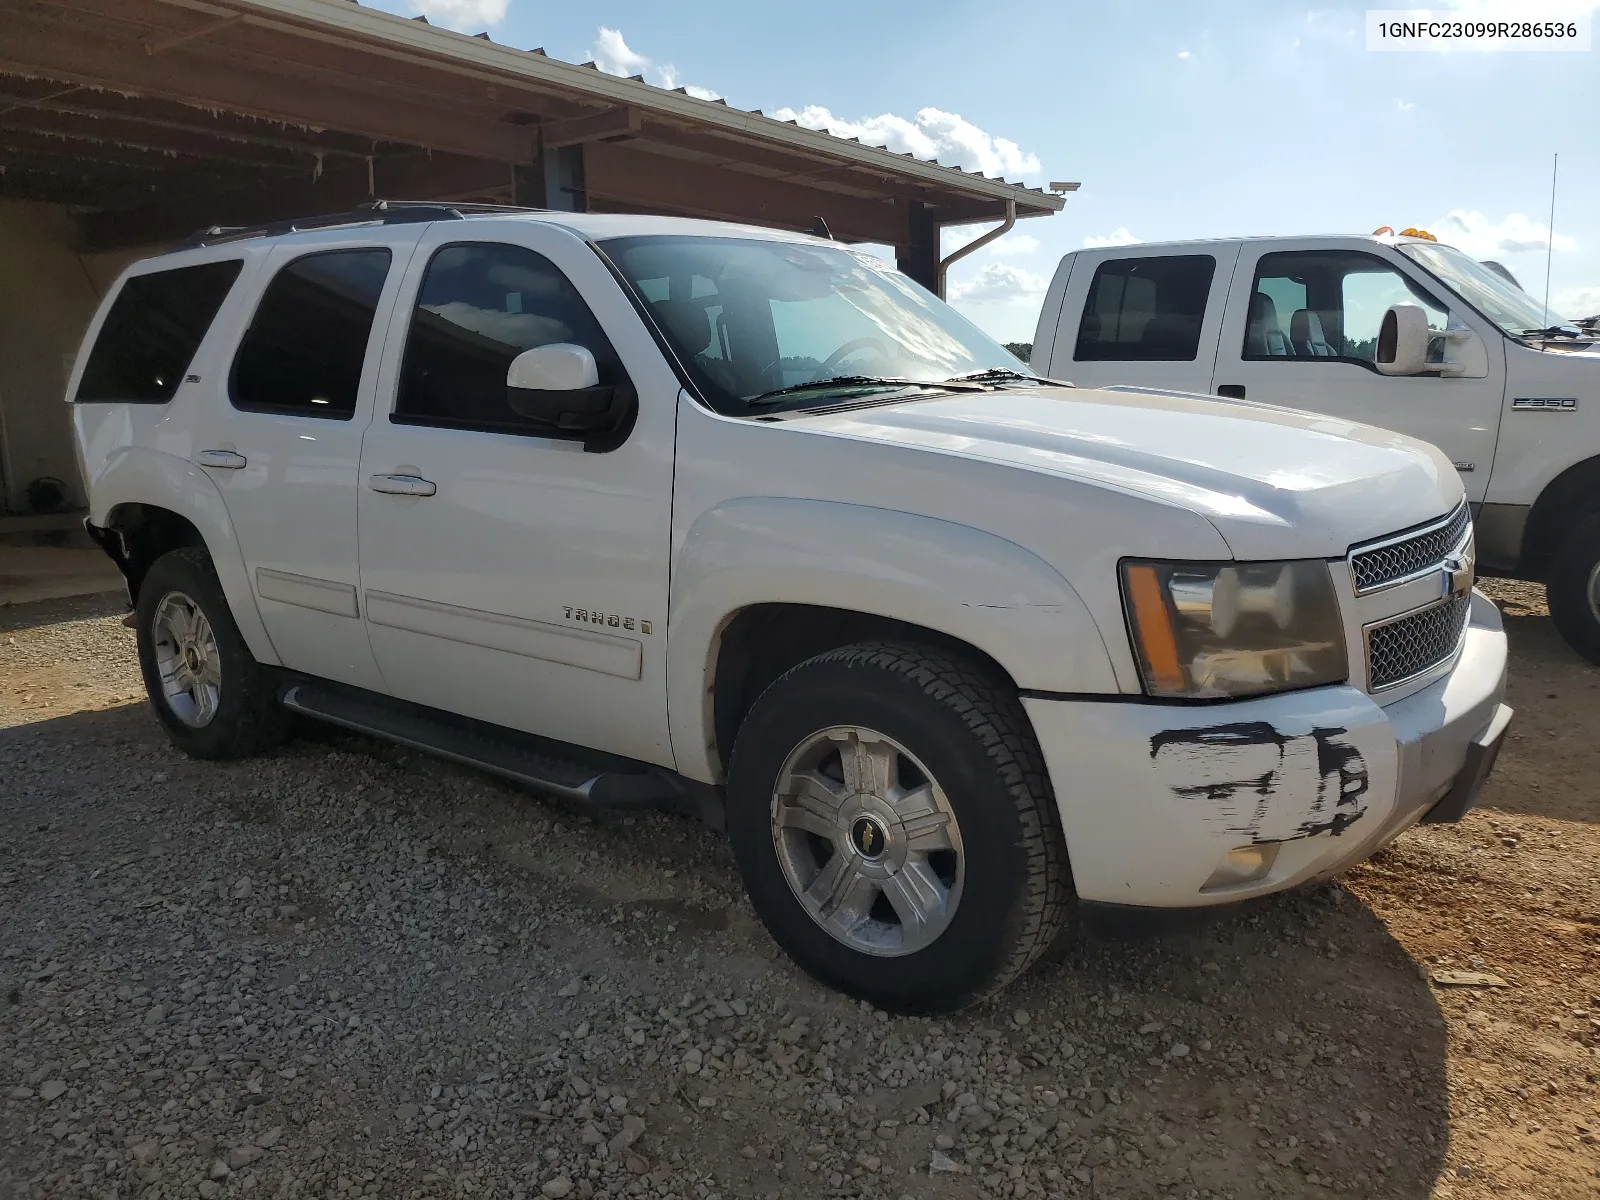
1553,331
997,374
844,381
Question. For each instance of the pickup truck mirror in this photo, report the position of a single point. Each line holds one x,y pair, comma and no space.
558,387
1403,341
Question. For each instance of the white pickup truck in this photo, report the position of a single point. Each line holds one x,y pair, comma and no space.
646,511
1401,332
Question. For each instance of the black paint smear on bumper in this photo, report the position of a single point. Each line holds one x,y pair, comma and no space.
1240,733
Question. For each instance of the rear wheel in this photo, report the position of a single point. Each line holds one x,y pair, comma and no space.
212,696
895,828
1573,587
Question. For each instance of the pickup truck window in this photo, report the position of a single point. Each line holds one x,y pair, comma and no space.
303,352
150,335
747,317
1145,309
1503,302
1327,304
481,304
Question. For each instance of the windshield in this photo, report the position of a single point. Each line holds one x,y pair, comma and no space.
1502,301
750,317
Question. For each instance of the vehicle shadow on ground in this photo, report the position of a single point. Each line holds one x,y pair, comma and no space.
35,614
1295,1041
1553,749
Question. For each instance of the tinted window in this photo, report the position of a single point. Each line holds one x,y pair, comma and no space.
1327,304
1146,309
304,349
480,306
151,333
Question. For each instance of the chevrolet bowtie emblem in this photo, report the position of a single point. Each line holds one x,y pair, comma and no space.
1456,574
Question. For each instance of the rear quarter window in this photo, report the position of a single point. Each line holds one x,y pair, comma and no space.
149,337
1145,309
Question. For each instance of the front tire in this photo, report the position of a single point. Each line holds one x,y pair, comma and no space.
1573,587
211,695
895,828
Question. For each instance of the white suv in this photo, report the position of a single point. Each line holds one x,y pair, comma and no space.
646,511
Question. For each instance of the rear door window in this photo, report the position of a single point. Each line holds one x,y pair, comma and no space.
149,337
1146,309
307,343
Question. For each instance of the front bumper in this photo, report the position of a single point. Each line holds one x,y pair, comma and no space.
1155,797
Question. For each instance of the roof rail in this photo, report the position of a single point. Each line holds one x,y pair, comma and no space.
378,212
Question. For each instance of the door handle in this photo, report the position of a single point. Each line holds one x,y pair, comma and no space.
402,485
1233,391
223,460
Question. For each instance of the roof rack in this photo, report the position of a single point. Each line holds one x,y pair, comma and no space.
378,212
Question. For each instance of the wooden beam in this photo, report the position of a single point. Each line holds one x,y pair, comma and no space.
29,46
77,148
603,126
340,188
49,128
620,175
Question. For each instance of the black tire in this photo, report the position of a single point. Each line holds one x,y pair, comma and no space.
969,729
1573,589
248,718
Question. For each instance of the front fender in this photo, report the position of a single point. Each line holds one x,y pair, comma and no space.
139,475
967,584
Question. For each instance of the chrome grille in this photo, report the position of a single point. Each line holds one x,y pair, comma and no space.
1405,648
1406,555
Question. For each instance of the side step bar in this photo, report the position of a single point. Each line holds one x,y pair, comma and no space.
586,776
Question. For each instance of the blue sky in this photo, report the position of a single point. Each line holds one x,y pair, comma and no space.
1180,119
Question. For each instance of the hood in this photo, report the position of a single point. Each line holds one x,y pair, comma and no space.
1276,483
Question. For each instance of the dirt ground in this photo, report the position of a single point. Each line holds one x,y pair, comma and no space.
349,970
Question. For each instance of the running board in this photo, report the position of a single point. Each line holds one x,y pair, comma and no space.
586,776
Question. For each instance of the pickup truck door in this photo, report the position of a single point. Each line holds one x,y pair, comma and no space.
281,435
1142,316
1301,327
508,575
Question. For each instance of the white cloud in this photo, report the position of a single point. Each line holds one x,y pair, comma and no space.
463,15
1480,237
948,137
998,283
1120,236
1185,55
1548,9
1576,302
1404,105
614,56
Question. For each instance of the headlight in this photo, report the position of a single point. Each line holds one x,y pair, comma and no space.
1211,630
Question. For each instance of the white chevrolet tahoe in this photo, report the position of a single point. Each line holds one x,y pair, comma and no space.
646,511
1396,331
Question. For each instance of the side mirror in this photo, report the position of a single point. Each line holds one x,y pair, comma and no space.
1403,341
557,387
558,367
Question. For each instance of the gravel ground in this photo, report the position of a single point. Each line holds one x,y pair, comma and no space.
349,970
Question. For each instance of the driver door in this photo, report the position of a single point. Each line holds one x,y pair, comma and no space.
1301,331
507,575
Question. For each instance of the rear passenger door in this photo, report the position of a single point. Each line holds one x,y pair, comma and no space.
282,439
1302,331
1144,317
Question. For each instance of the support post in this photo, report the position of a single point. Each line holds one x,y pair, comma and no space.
918,255
564,186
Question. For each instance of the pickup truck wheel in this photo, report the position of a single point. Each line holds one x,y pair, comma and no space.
1573,588
210,693
895,828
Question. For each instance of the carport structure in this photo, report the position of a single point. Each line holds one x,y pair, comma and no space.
162,116
128,124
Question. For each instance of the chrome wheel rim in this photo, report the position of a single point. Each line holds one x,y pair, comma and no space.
867,841
188,660
1594,591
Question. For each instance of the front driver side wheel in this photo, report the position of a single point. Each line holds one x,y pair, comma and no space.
895,828
1573,587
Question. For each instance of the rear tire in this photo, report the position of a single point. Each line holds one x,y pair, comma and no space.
895,827
1573,587
211,695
